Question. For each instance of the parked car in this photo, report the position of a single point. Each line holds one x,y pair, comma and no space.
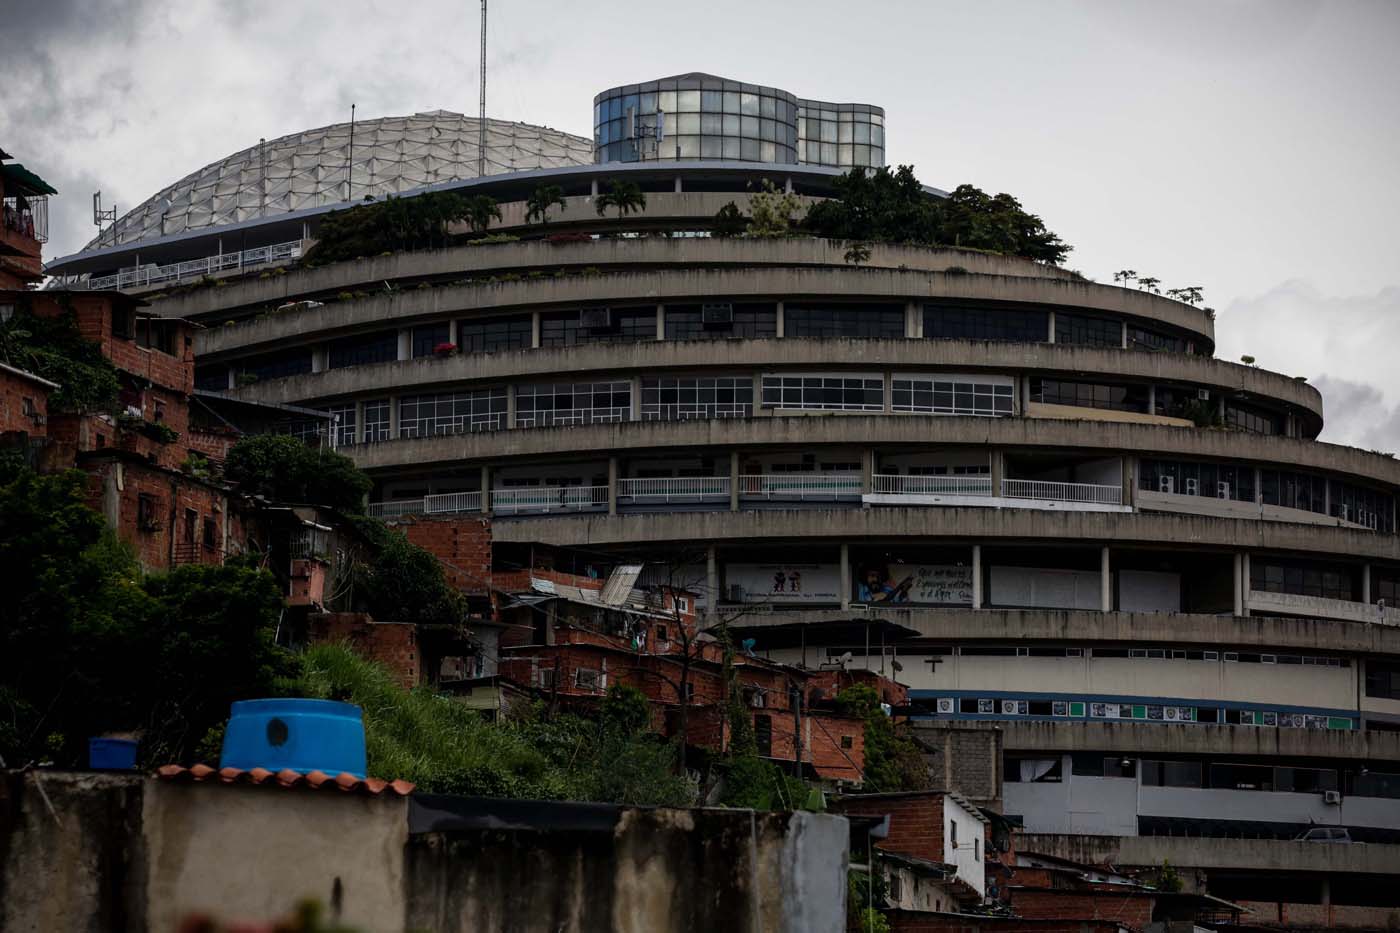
1325,834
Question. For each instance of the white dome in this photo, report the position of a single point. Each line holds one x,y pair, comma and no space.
308,169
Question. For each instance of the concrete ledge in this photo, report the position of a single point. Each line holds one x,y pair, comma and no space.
402,308
1160,739
653,356
816,525
1049,625
898,432
1255,854
252,291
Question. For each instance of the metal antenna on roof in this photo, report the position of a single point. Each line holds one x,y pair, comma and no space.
481,121
350,167
100,217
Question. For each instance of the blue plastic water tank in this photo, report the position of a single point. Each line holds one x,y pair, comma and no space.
303,735
112,753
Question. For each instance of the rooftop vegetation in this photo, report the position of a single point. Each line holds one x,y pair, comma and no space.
52,347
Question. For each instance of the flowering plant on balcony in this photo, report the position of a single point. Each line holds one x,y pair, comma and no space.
445,349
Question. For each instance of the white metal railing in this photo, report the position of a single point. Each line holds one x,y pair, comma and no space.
1062,492
395,508
517,499
673,489
446,502
194,268
811,485
932,485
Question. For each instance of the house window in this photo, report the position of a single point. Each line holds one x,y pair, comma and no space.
544,678
763,735
586,679
886,322
191,523
896,891
977,850
848,741
146,512
211,532
376,421
428,337
662,634
953,833
683,604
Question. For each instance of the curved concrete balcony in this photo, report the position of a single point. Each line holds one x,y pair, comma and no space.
417,305
1195,739
649,357
870,431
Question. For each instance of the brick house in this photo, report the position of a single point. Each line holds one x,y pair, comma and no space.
24,224
24,402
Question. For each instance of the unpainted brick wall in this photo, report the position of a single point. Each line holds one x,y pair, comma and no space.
1132,910
916,821
115,489
14,391
903,921
462,544
94,314
391,644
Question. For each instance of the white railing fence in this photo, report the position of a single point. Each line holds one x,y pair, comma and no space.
674,489
518,499
932,485
800,486
1062,492
176,272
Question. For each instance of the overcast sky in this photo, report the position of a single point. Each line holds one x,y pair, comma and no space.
1247,146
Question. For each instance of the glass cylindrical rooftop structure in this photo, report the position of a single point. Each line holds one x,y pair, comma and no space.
699,116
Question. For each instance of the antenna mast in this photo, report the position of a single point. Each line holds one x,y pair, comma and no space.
481,122
350,162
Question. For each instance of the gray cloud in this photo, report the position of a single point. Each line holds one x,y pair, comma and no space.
1359,415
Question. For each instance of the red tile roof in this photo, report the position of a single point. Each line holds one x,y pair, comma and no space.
312,780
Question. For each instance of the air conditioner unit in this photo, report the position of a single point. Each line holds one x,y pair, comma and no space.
1222,490
595,318
1193,486
1166,484
717,313
1203,394
1332,796
946,705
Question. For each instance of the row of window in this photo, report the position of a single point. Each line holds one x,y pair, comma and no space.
1273,575
1169,654
995,707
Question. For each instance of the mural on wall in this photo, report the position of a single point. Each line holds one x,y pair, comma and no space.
784,583
915,584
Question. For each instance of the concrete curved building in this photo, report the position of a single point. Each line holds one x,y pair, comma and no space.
1125,569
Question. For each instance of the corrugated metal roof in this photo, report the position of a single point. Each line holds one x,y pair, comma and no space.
286,778
620,583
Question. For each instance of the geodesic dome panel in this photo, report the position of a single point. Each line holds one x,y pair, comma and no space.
312,168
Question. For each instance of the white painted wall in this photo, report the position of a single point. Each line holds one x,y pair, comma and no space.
1043,588
966,856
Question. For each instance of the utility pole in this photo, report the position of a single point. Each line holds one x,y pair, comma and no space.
796,696
481,120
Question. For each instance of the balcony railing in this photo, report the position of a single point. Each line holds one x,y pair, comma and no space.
179,271
680,489
196,553
932,485
1089,493
800,486
543,499
442,504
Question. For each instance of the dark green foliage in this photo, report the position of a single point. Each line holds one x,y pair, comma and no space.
87,646
892,761
624,710
749,781
419,222
729,221
397,581
625,197
284,468
444,747
53,348
891,207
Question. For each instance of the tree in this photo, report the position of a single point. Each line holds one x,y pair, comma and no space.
771,211
624,196
284,468
892,761
1148,283
857,253
481,209
1125,276
729,221
539,202
395,580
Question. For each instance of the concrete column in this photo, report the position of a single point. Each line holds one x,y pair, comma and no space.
1025,393
320,358
845,582
359,422
486,490
1125,335
535,320
393,417
1050,338
453,332
1105,582
405,343
612,485
913,320
711,580
734,481
1239,584
787,185
510,406
1366,584
867,473
1259,486
781,321
889,392
1327,497
1152,400
1220,406
1245,574
758,409
233,375
1129,481
996,459
636,394
977,576
593,188
660,322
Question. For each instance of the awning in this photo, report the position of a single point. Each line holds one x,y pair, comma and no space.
21,180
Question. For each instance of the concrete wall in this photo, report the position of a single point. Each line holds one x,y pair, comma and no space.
1167,740
1079,805
1320,607
1239,854
786,282
874,431
89,851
